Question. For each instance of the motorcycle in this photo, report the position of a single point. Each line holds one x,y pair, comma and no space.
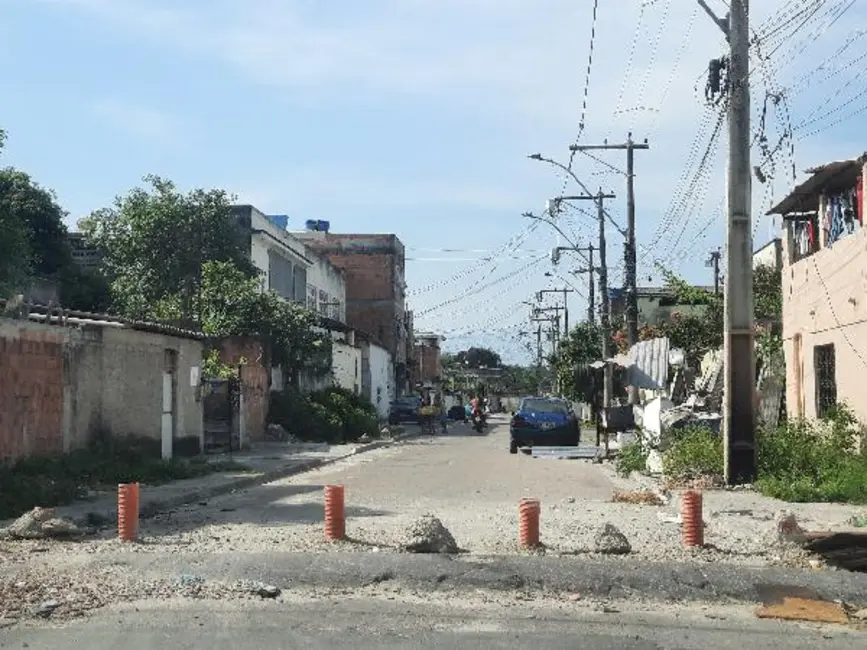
478,421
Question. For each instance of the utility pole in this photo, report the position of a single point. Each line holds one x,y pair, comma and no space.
713,262
739,417
591,296
605,312
565,291
629,253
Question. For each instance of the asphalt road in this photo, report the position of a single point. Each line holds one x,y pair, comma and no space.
380,623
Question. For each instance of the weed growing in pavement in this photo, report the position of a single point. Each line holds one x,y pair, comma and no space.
631,458
49,481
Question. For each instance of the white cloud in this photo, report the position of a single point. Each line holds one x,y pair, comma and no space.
521,63
138,121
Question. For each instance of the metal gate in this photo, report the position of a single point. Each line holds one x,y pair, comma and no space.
221,407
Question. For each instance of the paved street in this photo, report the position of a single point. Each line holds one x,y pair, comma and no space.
469,481
382,621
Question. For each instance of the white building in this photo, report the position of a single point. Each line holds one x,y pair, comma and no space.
291,269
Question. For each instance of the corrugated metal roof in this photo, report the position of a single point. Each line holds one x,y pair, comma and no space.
649,369
834,177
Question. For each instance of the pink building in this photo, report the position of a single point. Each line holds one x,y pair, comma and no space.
825,290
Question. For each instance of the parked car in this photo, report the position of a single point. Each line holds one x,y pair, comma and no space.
404,409
543,422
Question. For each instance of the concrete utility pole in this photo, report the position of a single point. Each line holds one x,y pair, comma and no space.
565,291
591,297
630,257
605,311
713,262
739,416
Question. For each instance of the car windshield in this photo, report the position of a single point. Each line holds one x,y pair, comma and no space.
543,406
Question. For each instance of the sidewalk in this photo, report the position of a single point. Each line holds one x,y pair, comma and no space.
267,462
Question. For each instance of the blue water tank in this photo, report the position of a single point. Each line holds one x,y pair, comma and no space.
279,220
323,226
310,224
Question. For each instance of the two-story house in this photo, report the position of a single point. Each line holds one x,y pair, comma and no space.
824,255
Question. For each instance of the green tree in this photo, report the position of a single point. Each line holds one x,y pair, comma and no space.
478,358
156,243
229,303
581,348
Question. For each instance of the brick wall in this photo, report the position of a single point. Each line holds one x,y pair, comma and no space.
429,363
31,392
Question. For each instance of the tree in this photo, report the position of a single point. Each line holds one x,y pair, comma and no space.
478,358
229,303
157,241
581,348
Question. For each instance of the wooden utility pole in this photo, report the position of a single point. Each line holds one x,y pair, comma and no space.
630,258
739,408
605,311
713,262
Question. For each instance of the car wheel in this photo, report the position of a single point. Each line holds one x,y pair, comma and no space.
513,447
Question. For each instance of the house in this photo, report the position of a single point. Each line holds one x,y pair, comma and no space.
769,255
289,267
655,304
824,249
428,356
65,378
373,267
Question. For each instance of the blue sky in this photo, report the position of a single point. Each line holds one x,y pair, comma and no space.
415,117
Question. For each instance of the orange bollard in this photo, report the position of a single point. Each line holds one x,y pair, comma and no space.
335,516
692,526
127,512
136,508
528,522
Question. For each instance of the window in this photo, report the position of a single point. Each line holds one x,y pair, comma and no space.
335,310
311,297
280,277
825,365
323,303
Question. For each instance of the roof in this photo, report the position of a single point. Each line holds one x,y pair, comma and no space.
57,316
650,364
834,177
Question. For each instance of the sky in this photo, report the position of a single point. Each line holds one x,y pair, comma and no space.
415,117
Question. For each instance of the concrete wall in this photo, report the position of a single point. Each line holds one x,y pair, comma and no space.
825,301
771,254
61,385
428,358
346,366
377,377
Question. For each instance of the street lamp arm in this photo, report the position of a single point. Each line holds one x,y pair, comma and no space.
530,215
581,184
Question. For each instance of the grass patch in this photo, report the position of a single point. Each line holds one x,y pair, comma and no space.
799,461
693,453
49,481
631,458
804,461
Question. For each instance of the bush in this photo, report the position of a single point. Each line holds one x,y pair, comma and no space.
333,415
631,458
694,452
813,461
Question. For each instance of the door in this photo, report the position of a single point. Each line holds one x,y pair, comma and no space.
167,423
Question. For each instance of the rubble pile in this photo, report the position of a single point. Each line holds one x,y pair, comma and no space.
427,534
42,523
610,541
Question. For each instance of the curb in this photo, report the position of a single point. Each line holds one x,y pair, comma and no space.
152,507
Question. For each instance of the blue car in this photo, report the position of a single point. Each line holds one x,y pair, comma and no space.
543,422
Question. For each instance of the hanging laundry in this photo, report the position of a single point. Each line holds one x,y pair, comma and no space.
835,221
848,212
